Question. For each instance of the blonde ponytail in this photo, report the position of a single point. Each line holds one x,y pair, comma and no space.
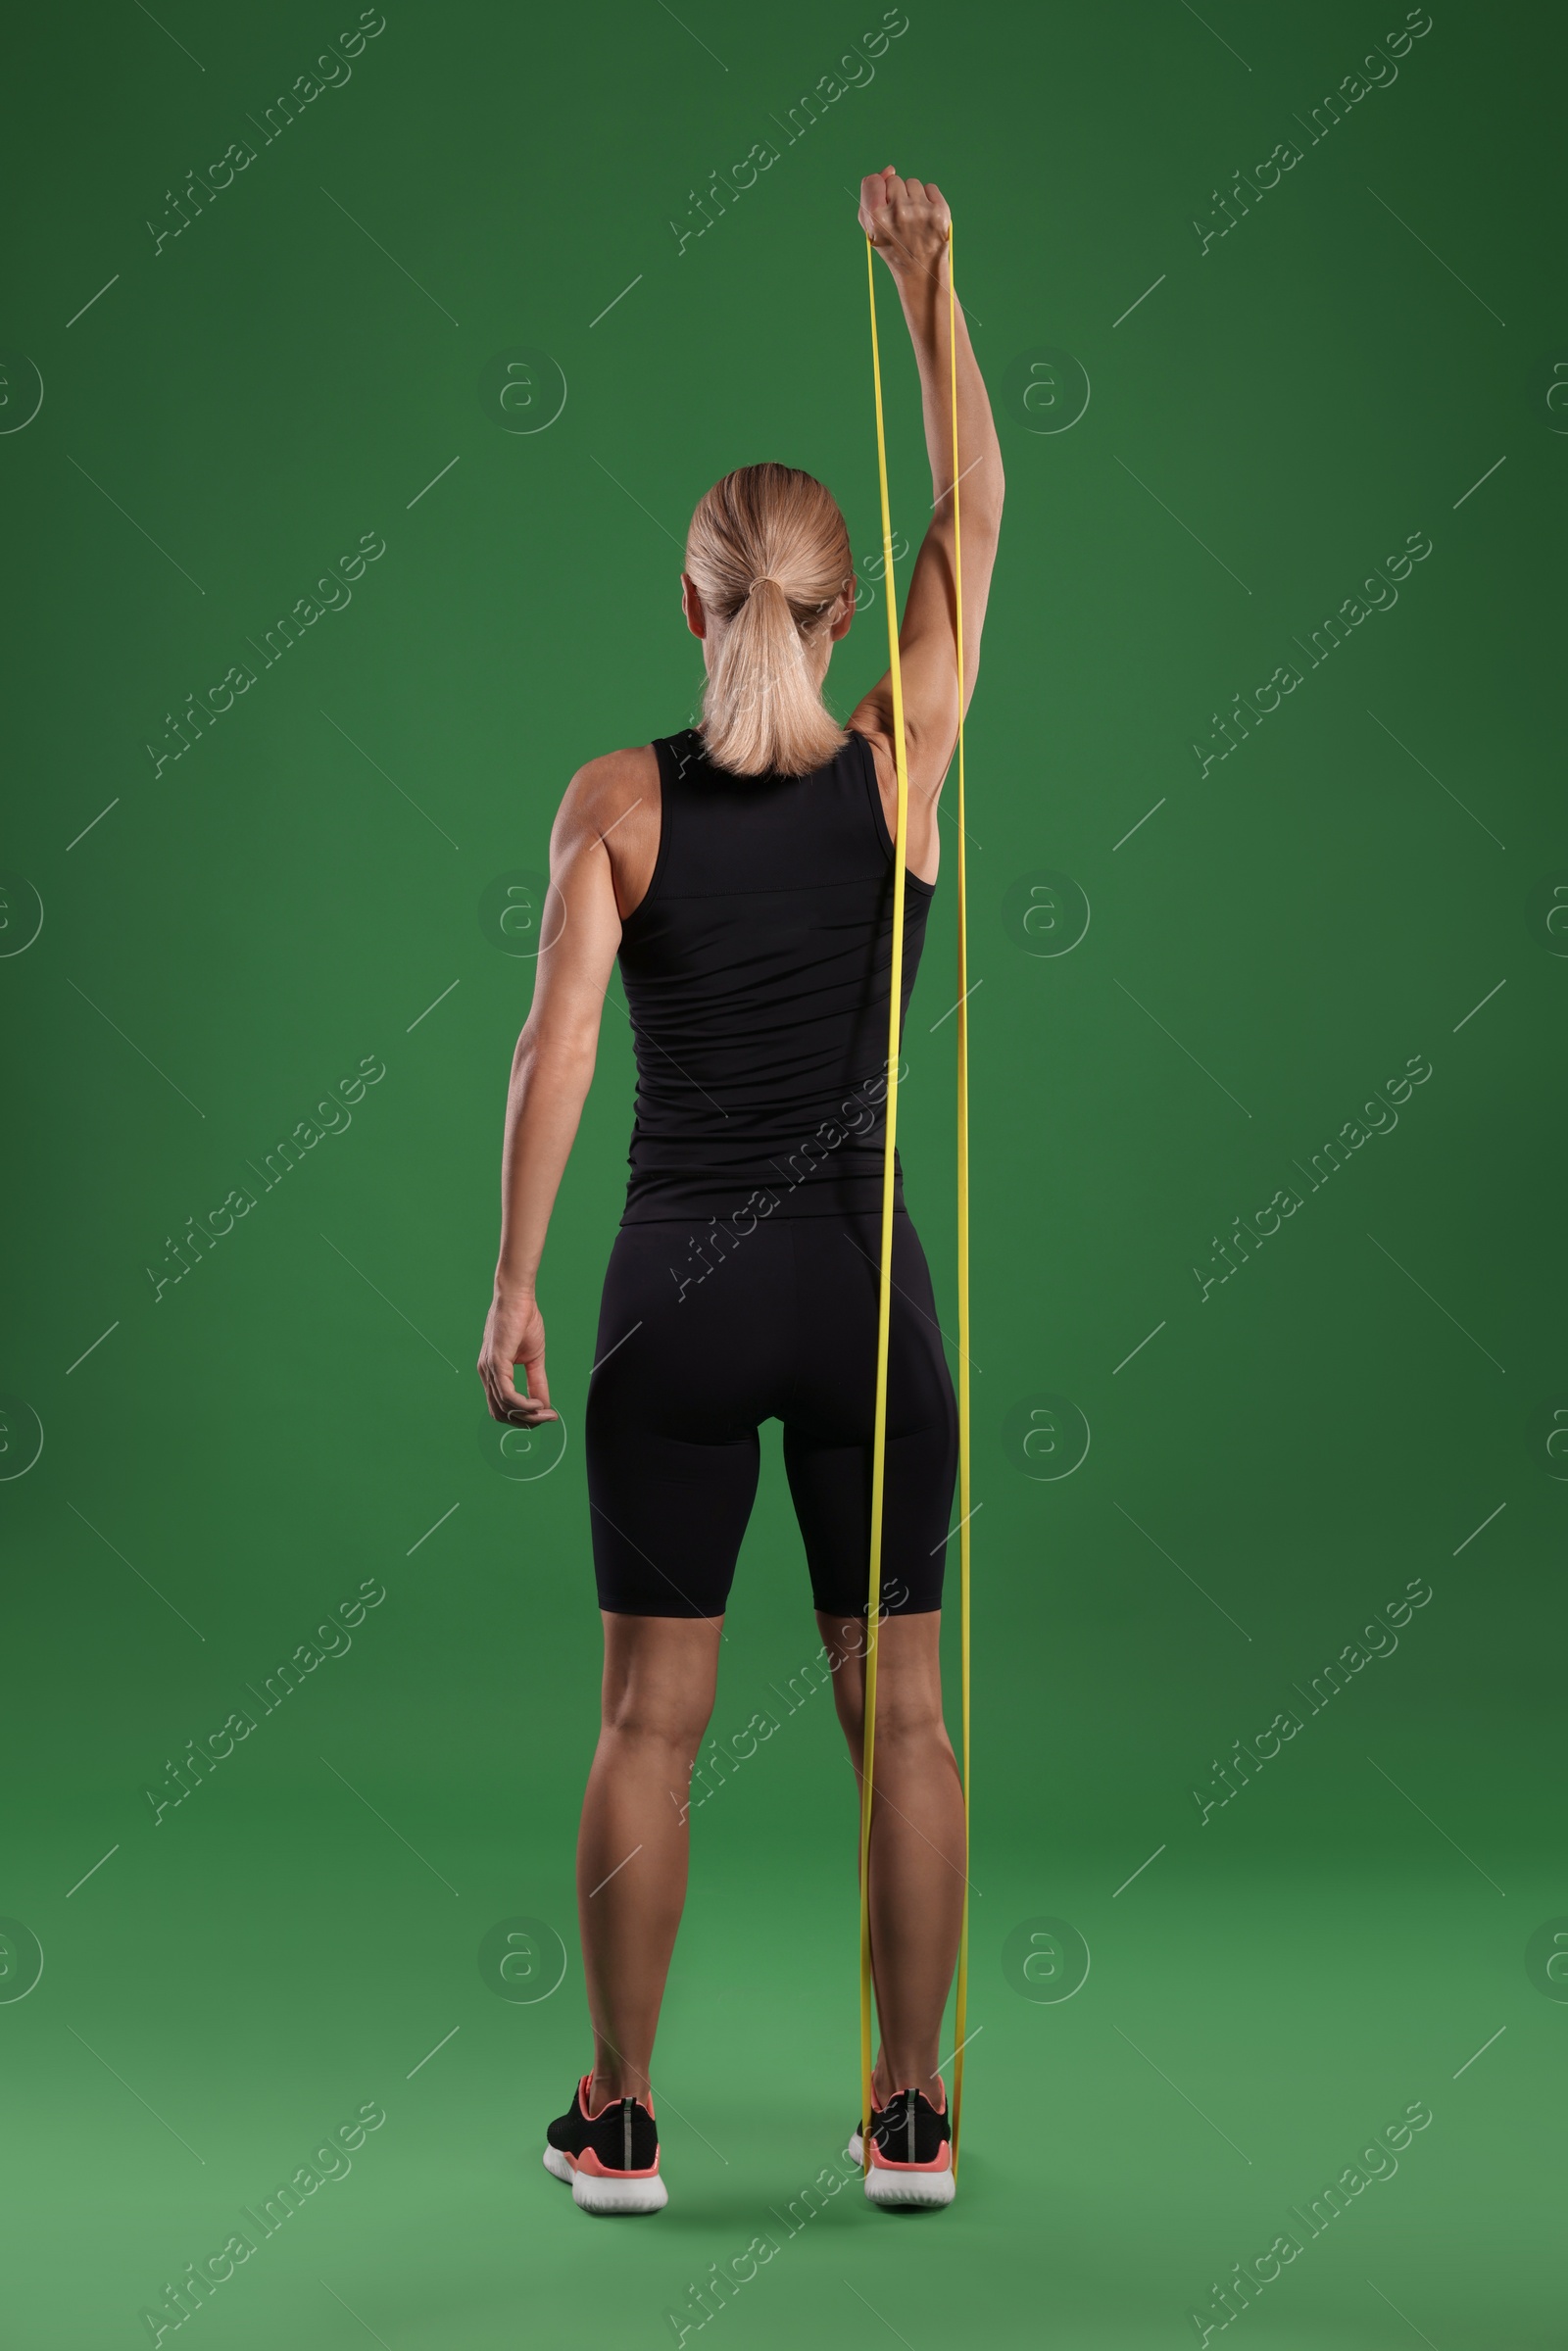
769,554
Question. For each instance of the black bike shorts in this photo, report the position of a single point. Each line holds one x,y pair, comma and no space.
782,1326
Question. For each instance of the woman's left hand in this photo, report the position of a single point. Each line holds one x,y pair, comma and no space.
908,221
513,1334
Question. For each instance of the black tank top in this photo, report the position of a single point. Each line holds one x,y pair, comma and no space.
757,972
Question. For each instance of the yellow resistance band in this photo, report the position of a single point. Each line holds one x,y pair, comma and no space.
884,1300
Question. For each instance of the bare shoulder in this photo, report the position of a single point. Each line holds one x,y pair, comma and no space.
612,806
606,789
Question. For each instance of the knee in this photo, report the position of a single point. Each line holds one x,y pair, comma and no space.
906,1727
670,1719
909,1720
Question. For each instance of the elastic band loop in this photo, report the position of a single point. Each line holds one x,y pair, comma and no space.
962,1997
874,1605
883,1291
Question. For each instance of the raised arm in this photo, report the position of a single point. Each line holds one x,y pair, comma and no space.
552,1069
907,220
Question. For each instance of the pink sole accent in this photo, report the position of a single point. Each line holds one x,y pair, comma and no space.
582,2101
589,2162
884,2163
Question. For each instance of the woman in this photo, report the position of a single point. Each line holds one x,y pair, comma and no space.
742,871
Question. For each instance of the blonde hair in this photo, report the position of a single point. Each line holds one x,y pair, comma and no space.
770,552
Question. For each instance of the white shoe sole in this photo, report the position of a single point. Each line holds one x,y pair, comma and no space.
883,2187
592,2192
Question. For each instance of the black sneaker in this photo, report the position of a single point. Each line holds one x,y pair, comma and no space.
611,2158
911,2152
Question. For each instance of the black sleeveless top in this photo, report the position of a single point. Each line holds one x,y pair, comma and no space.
757,971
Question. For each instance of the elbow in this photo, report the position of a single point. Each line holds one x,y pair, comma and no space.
984,495
982,531
557,1056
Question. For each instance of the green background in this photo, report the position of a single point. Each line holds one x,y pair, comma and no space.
1270,418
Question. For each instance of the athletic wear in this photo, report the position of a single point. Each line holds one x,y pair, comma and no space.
756,973
699,1342
911,2152
611,2158
742,1286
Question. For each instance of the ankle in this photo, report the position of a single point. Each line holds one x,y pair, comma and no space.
609,2086
886,2085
